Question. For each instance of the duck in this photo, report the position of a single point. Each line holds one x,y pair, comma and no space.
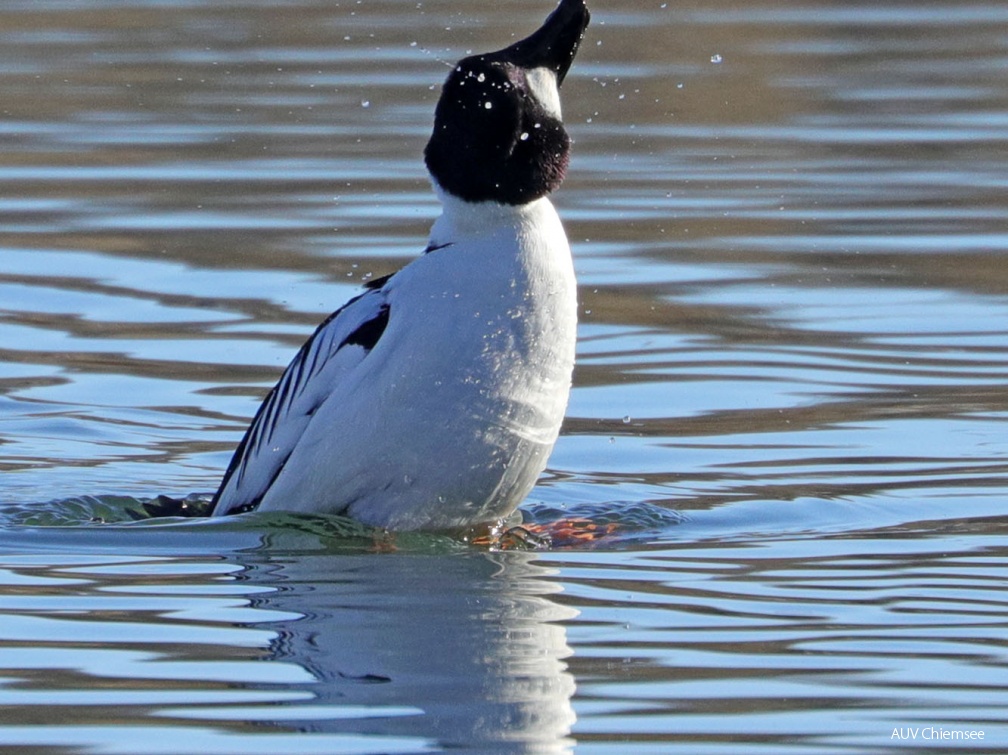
433,399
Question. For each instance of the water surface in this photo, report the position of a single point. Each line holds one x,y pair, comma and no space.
792,390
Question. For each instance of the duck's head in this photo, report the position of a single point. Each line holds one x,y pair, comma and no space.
498,133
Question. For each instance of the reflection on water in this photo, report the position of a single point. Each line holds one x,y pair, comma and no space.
467,650
208,637
789,229
367,652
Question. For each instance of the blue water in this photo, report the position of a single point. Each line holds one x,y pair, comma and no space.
790,399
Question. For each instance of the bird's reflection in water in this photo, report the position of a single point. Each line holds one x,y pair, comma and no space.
460,651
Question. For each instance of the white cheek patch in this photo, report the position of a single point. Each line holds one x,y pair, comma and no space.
542,84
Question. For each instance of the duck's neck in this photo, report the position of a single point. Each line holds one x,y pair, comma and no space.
460,219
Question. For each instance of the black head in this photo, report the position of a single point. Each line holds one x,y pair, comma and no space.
498,134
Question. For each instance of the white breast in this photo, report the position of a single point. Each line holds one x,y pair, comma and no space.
451,417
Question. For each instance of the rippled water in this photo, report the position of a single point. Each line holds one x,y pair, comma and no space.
789,224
